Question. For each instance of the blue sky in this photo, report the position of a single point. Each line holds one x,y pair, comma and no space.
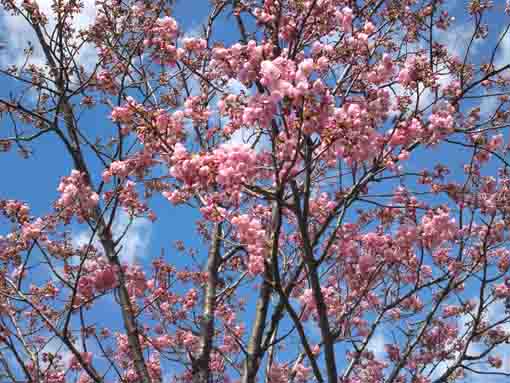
35,179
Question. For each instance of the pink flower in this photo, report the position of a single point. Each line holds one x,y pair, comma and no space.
495,361
75,363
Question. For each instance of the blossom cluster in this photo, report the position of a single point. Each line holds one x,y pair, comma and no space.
76,197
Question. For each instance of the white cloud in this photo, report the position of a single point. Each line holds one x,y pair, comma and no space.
457,39
242,136
495,312
134,244
245,135
137,239
503,55
236,87
18,32
488,105
376,345
56,347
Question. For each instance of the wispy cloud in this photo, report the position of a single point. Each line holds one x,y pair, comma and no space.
18,33
56,347
134,244
376,345
457,39
488,105
245,135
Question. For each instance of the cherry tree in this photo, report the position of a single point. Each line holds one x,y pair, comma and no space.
346,163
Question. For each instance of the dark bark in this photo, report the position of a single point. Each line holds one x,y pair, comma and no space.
201,372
